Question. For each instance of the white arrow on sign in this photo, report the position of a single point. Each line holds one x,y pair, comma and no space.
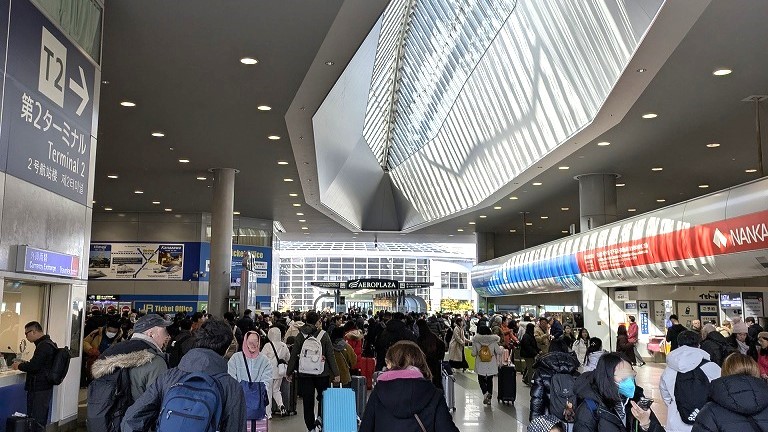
80,90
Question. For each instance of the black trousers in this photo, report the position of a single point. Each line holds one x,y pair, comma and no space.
308,385
486,383
39,404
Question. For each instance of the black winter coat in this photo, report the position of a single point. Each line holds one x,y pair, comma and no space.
732,401
38,366
605,418
546,367
395,331
528,346
393,404
673,332
717,347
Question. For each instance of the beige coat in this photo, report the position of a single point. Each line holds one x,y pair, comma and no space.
456,346
542,338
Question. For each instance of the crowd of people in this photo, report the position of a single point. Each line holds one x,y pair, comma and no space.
138,366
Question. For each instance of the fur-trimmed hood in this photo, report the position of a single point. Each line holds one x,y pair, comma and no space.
486,339
107,365
354,335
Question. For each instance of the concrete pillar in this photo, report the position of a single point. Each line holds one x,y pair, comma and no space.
222,225
601,313
597,200
485,244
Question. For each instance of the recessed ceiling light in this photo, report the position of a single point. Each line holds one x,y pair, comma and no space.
641,70
287,179
657,169
105,82
620,184
545,217
450,235
703,186
107,208
529,223
293,194
128,104
564,167
156,202
296,205
513,197
93,202
497,208
184,160
722,72
536,183
306,233
750,171
302,220
713,145
632,210
472,223
329,63
263,107
202,178
112,176
460,230
282,162
483,216
158,134
169,209
248,61
564,231
273,137
138,191
650,115
603,143
513,230
305,228
236,213
299,214
661,200
565,208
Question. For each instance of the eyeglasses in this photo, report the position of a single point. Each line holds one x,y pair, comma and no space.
28,332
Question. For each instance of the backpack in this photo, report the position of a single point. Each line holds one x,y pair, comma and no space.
311,359
562,397
485,354
109,397
59,365
691,393
175,353
194,404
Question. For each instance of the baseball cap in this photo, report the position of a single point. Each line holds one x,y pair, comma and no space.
149,321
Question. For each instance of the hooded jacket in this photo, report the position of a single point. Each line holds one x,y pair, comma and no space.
732,401
143,413
682,360
604,418
393,405
546,367
331,368
293,330
260,368
355,339
717,347
142,357
346,360
93,340
497,354
283,353
395,331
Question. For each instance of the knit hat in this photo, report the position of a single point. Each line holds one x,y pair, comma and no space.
544,424
739,326
706,330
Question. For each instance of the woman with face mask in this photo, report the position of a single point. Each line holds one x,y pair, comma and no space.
610,399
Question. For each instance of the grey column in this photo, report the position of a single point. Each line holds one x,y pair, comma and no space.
485,242
221,240
597,200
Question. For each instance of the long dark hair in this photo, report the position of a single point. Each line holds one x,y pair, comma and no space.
529,329
603,378
595,345
622,331
427,339
581,332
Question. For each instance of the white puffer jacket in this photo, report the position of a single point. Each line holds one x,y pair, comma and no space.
491,367
282,350
683,359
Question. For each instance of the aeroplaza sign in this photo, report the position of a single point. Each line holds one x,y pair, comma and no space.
373,284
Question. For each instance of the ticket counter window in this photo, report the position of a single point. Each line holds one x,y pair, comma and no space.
21,303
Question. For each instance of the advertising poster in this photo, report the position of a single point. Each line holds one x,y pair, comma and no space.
659,317
708,313
687,312
644,309
753,304
138,261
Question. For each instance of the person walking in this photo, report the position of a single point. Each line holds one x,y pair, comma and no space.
395,331
488,356
633,333
623,345
99,341
542,335
39,389
557,362
434,351
581,345
278,354
529,349
456,346
738,401
345,356
673,331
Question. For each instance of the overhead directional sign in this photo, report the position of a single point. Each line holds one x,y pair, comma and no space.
48,105
373,284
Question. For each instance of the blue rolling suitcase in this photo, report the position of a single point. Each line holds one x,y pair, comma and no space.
339,410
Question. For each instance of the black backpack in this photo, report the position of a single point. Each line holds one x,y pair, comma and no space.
175,354
59,365
691,393
109,397
562,397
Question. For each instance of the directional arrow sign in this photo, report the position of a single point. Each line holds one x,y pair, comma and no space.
80,90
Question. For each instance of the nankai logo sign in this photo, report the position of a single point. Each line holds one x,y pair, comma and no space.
373,284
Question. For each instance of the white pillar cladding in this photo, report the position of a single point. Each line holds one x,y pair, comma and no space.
222,225
597,200
601,313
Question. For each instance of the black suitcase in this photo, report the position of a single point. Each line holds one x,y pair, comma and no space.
507,384
22,424
359,385
289,392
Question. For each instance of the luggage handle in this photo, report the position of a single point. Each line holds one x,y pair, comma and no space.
340,385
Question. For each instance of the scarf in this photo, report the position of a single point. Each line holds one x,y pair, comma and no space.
255,340
743,347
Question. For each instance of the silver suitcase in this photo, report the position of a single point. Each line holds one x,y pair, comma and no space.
359,386
449,382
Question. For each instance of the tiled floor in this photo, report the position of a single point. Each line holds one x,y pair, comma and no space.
472,416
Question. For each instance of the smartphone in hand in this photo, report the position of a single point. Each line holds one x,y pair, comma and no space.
645,403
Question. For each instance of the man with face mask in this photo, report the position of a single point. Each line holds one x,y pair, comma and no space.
100,340
143,354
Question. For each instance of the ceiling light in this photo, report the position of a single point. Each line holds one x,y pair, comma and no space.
169,209
722,72
641,70
273,137
537,183
107,208
263,107
713,145
293,194
156,202
564,167
184,160
158,134
565,208
497,208
657,169
529,223
329,63
632,210
138,192
513,197
460,230
248,61
545,217
282,163
306,233
93,202
236,213
299,214
620,184
564,232
302,220
650,115
450,235
112,176
703,186
296,205
513,230
287,179
483,216
750,171
603,143
128,104
661,200
472,223
202,178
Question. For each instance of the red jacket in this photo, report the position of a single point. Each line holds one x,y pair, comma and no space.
632,332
